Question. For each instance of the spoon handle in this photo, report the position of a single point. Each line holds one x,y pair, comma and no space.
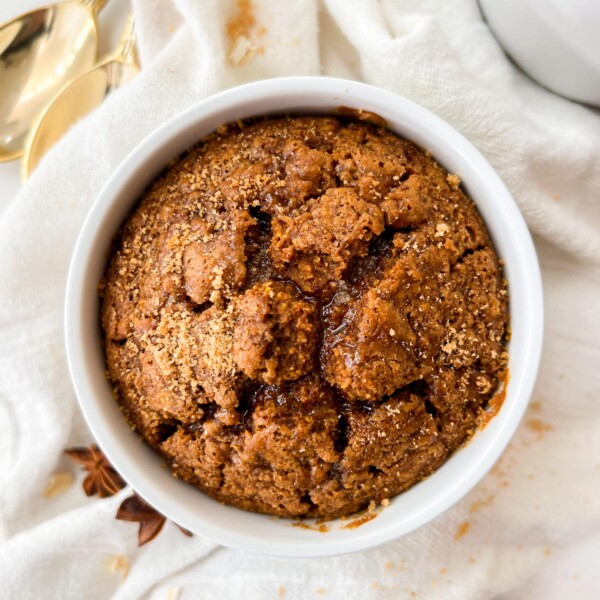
94,5
125,51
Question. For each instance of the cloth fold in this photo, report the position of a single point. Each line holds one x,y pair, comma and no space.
540,497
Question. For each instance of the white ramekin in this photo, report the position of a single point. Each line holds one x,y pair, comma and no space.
142,467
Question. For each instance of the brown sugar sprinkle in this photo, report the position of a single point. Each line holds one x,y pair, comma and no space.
305,315
242,22
355,523
482,503
320,527
240,29
173,335
538,427
371,512
454,181
462,530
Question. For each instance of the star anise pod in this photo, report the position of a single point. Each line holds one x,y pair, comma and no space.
102,478
151,521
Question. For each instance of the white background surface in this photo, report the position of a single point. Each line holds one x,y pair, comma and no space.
573,573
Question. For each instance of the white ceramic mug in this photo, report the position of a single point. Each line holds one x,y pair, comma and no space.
143,468
556,42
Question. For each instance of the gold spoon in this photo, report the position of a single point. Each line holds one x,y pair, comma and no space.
39,52
79,97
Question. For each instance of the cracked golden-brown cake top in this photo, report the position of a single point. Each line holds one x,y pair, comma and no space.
304,315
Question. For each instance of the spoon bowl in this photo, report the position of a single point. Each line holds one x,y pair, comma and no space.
80,97
39,52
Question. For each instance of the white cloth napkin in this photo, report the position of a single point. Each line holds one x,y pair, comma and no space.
542,495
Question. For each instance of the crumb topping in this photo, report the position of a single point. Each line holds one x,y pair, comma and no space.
304,315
